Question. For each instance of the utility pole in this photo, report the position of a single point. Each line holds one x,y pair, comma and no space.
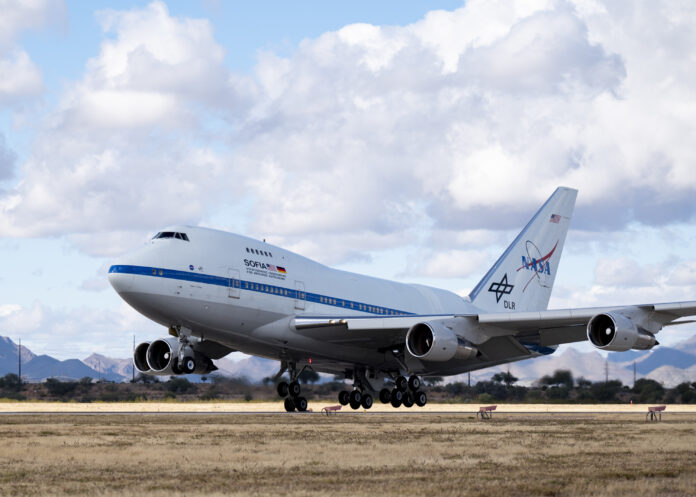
19,361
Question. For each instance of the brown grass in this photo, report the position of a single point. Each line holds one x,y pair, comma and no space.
351,454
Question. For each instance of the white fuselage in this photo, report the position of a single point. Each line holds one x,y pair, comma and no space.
244,293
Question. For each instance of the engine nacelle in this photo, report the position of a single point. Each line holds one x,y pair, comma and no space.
617,333
433,341
162,356
140,358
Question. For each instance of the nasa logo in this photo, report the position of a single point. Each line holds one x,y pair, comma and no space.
191,267
539,265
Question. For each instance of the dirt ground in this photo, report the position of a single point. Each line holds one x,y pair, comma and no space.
376,454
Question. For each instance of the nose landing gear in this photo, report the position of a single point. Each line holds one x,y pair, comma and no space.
291,391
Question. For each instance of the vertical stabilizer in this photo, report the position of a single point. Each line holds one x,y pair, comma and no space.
522,278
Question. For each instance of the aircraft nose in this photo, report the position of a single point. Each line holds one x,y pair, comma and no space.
120,279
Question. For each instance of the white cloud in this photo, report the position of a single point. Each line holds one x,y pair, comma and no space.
373,135
76,333
20,77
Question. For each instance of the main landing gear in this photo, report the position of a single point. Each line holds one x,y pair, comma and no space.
405,392
291,391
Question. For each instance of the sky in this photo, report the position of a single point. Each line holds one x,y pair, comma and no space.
402,139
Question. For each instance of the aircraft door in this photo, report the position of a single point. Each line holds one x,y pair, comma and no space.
234,283
301,296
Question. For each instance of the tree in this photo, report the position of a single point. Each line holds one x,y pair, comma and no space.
11,382
506,377
606,391
60,388
560,377
309,376
180,385
648,390
431,381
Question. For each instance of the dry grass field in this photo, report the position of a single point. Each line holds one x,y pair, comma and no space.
350,454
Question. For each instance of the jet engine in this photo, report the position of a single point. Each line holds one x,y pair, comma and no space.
168,356
433,341
615,332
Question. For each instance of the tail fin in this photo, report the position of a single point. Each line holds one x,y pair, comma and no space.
522,279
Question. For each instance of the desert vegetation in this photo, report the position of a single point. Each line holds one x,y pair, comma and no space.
559,387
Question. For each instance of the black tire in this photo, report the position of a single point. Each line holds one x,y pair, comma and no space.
294,388
301,404
343,398
401,383
414,383
420,398
408,399
289,404
397,397
366,401
355,398
385,396
175,367
282,389
354,405
188,365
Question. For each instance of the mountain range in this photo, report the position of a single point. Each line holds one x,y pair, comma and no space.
668,365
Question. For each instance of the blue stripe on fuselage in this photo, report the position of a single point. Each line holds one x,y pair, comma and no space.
253,286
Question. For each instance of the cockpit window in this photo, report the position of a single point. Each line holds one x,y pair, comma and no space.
171,234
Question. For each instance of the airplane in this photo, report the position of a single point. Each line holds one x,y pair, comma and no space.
218,292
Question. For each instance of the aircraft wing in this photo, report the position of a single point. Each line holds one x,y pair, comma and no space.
550,327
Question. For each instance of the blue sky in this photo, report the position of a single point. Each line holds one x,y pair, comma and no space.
400,139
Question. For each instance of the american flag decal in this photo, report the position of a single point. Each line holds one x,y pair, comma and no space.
555,218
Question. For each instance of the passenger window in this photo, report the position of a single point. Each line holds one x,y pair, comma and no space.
247,250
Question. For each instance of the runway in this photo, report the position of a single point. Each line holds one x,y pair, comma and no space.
266,408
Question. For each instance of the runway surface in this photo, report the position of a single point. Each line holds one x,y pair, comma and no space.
7,408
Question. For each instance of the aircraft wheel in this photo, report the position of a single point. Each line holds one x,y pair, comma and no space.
385,396
401,383
343,398
175,367
421,399
414,383
188,365
366,401
289,404
282,389
396,397
355,398
301,404
408,400
294,388
354,405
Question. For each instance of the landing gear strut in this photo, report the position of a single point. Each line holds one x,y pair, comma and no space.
291,391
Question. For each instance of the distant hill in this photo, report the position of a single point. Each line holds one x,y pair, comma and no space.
668,365
8,356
